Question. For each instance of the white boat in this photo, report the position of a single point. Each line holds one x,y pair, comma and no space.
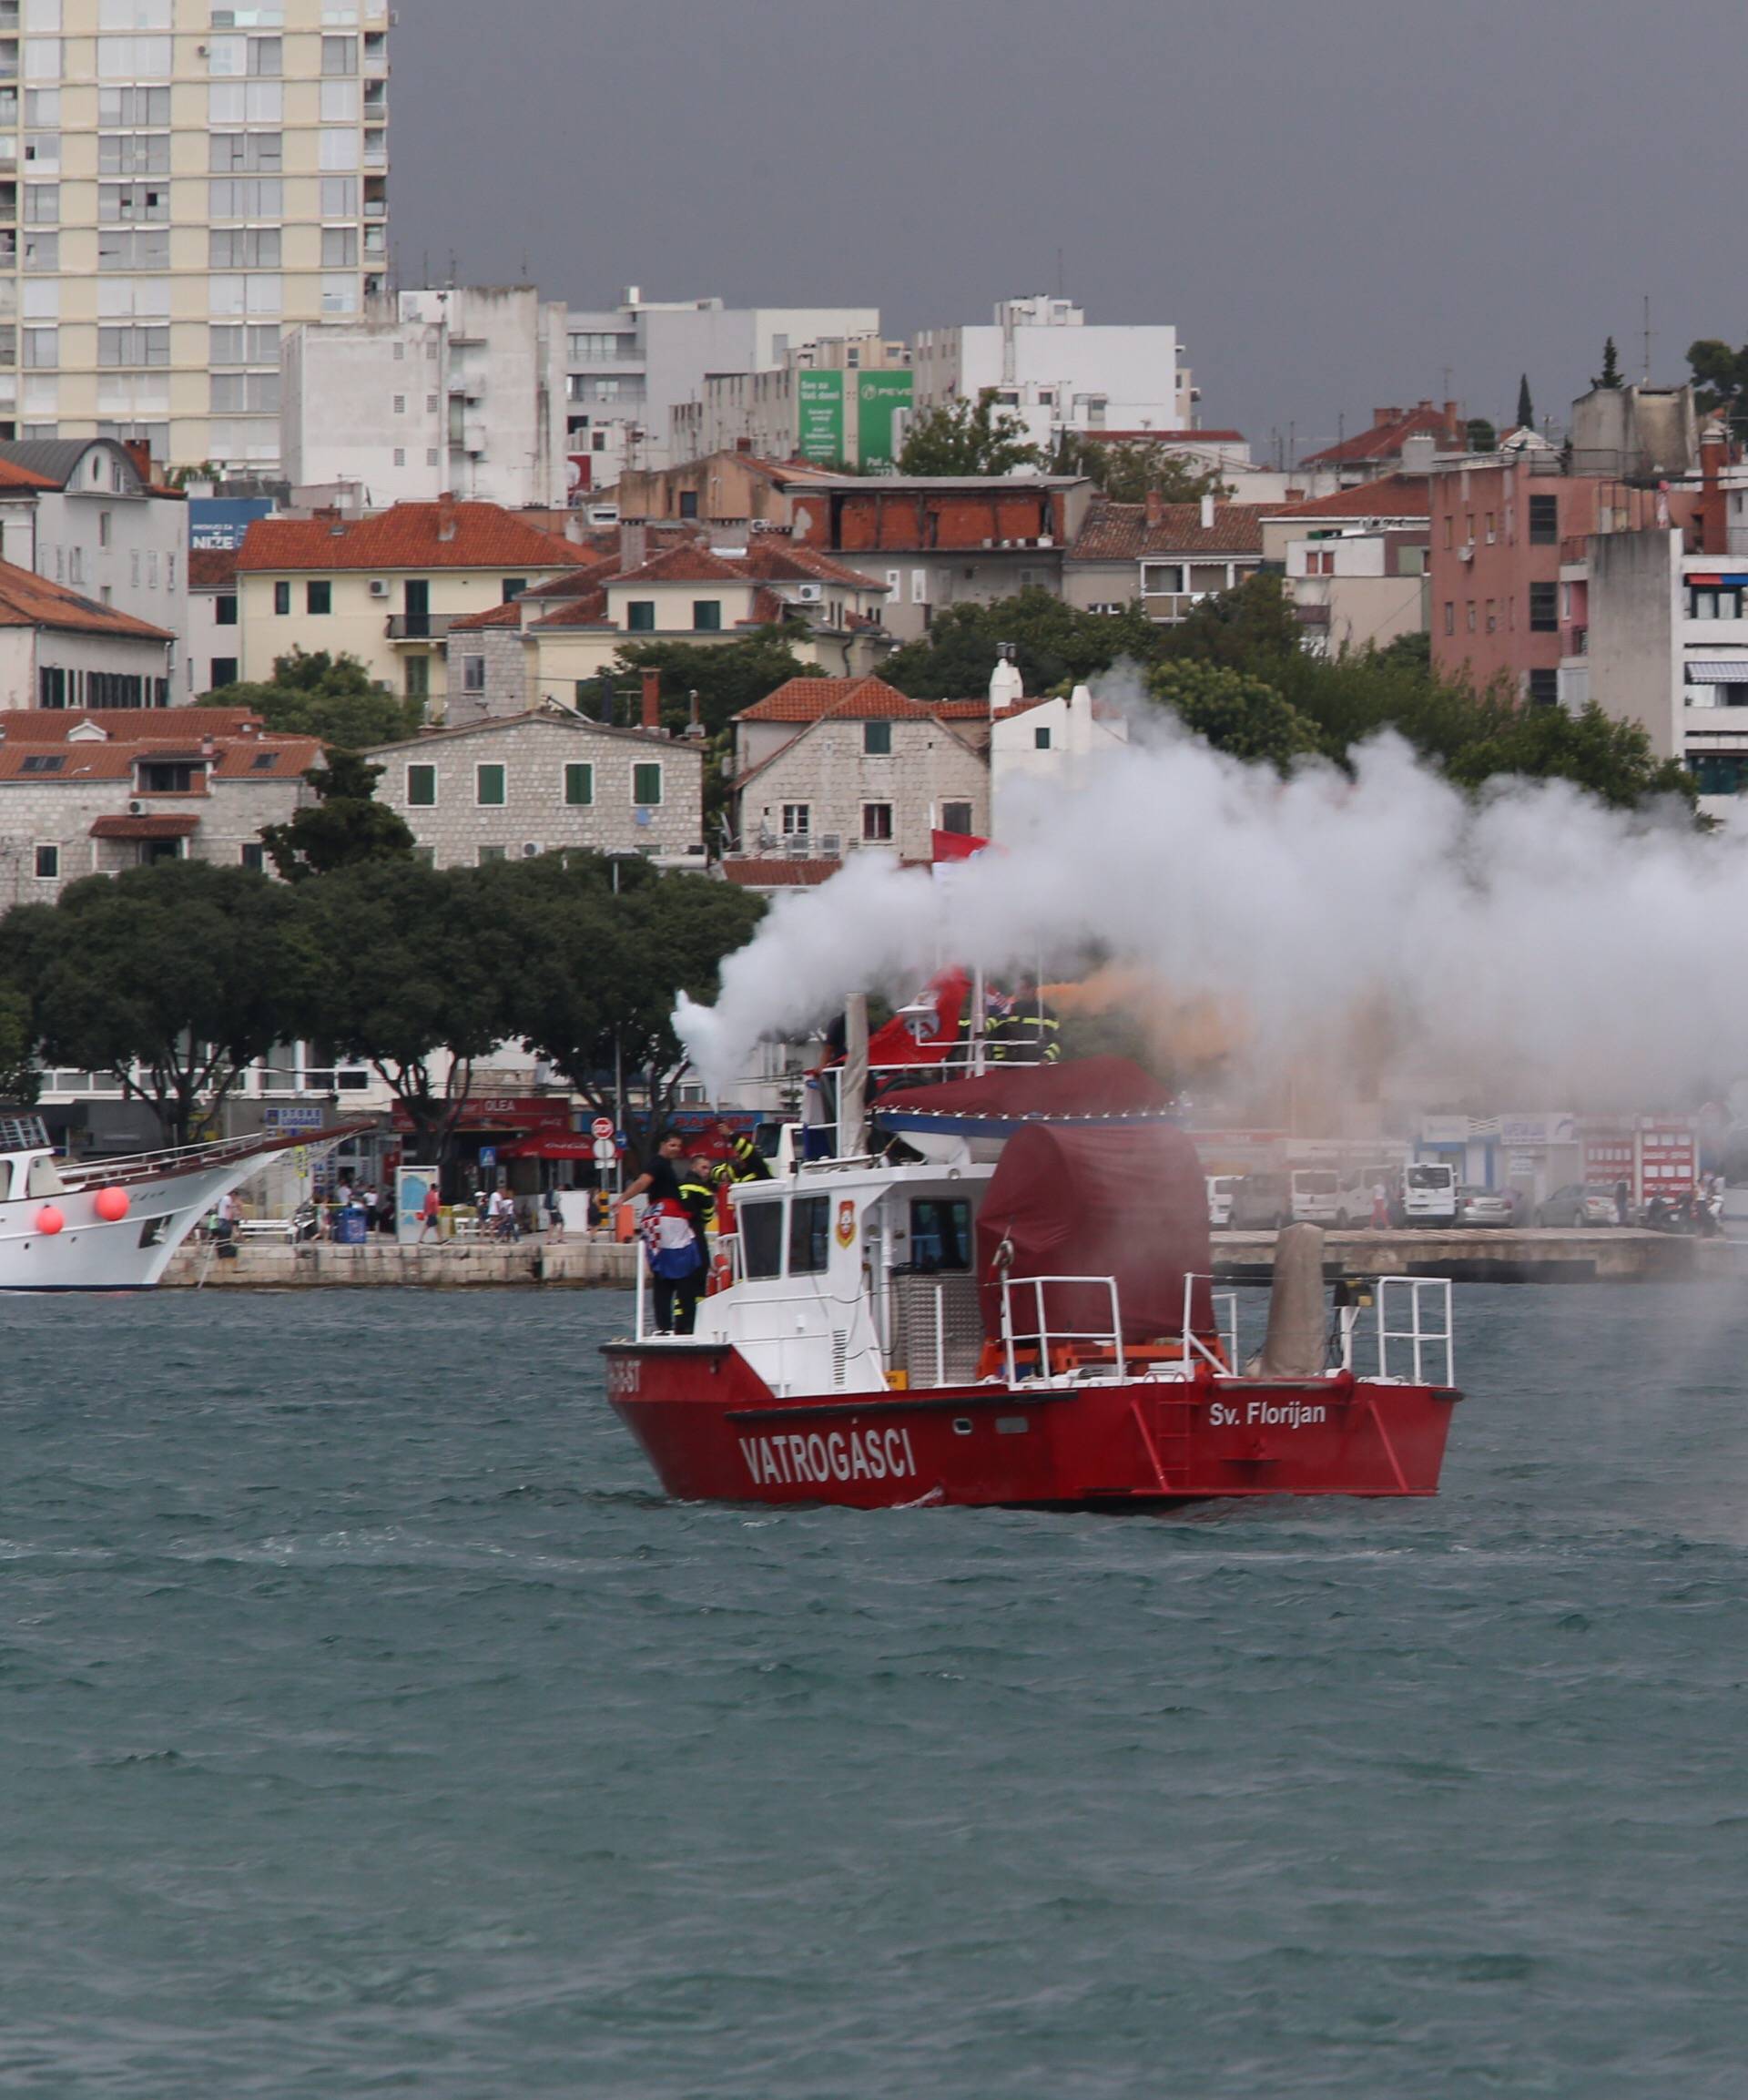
114,1224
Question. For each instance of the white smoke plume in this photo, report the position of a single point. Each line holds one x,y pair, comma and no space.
1533,946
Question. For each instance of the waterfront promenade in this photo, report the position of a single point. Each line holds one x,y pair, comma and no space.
1613,1256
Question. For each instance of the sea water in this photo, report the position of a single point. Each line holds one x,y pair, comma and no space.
369,1724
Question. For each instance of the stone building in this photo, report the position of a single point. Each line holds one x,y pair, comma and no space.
92,792
824,766
528,784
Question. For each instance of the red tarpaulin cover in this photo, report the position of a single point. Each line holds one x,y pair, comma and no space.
1084,1086
956,846
1130,1204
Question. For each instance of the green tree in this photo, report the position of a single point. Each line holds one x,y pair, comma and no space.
1608,758
20,1081
175,977
415,981
1130,470
964,437
1610,376
1481,434
319,694
1526,407
346,827
1238,714
605,947
1252,627
1055,644
1720,380
725,676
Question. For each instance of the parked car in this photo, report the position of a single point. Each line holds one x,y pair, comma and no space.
1428,1194
1262,1203
1578,1204
1220,1193
1316,1195
1486,1206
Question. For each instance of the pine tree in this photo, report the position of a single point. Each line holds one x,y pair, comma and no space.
1526,407
1611,375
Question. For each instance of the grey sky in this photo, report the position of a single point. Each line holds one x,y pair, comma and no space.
1333,202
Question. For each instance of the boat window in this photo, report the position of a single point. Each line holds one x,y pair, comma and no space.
760,1226
940,1233
809,1235
5,1180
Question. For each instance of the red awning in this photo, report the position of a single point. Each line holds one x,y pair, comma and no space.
1086,1087
550,1145
144,827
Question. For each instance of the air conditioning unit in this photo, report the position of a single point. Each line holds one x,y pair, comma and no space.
531,852
1465,554
379,586
810,594
831,845
136,808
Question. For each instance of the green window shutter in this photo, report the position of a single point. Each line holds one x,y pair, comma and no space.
489,787
647,786
421,787
579,786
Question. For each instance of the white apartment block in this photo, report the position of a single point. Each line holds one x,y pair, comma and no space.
1042,360
504,395
631,366
183,182
364,410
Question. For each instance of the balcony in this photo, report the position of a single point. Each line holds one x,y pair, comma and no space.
419,627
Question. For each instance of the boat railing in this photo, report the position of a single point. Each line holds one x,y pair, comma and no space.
1225,1327
1046,1337
135,1164
1421,1329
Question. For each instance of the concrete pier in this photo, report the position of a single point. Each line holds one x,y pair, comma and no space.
273,1265
1601,1255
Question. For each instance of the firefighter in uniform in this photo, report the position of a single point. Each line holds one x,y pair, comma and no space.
1028,1033
745,1162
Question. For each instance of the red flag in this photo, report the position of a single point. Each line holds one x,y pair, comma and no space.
956,846
929,1029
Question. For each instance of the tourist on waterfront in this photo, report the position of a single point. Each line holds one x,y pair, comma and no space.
554,1218
1380,1207
430,1215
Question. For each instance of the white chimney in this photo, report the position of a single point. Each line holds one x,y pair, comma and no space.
1007,689
1207,510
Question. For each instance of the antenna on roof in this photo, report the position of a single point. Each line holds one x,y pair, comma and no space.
1647,379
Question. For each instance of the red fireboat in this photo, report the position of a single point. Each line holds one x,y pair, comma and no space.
1025,1316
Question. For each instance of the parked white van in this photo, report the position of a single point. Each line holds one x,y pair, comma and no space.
1316,1195
1428,1194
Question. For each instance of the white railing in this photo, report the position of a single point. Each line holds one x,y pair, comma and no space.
1225,1330
1425,1344
1109,1337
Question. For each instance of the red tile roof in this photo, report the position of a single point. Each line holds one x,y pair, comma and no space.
789,561
505,616
684,565
32,601
212,568
1120,532
481,536
1384,440
856,699
1398,495
126,725
237,757
13,476
588,609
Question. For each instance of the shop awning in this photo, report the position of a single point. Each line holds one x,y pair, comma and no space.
549,1145
1716,670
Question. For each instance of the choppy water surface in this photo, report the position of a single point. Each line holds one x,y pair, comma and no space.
368,1724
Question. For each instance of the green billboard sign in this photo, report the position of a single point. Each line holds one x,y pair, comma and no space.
819,400
878,395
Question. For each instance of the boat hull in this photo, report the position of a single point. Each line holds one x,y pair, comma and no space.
714,1432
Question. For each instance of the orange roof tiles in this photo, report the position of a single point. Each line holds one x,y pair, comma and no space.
13,476
27,600
212,568
412,535
138,725
508,615
1407,495
160,827
1384,439
237,758
1122,532
812,699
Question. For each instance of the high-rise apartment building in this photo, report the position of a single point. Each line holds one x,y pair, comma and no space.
180,182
